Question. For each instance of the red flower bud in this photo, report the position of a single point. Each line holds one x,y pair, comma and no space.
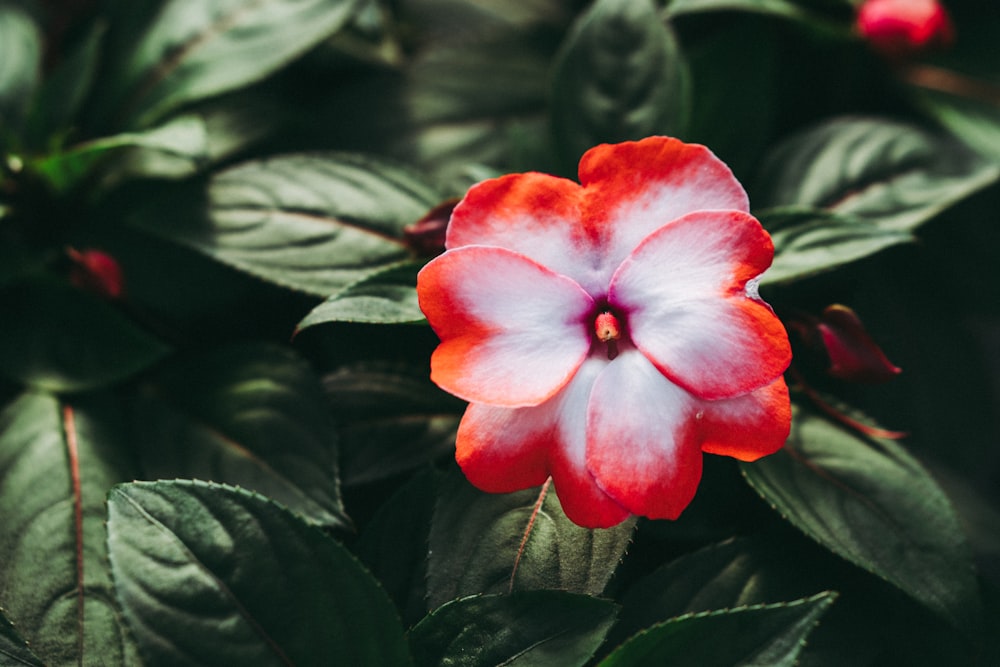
854,356
901,28
426,236
97,272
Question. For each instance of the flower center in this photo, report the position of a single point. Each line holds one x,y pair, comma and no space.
608,330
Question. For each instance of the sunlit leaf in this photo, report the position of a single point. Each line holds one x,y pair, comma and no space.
212,575
620,75
20,63
522,629
491,543
770,635
315,223
810,241
61,339
57,462
386,297
873,504
251,415
189,52
893,175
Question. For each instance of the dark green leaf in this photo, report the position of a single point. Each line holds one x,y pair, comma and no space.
892,175
386,297
771,635
61,339
57,459
14,650
620,75
251,415
974,122
315,223
190,52
476,545
391,418
798,10
212,575
20,64
526,628
873,504
810,241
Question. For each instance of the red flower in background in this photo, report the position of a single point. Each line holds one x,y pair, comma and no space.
97,272
607,333
900,28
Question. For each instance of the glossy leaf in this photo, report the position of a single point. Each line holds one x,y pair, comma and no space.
211,575
187,53
620,75
386,297
252,415
57,462
770,635
315,223
873,504
476,545
391,418
521,629
893,175
61,339
810,241
20,63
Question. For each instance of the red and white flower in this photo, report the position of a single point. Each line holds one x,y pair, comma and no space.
607,333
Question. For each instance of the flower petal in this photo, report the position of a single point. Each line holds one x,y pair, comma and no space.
512,332
636,187
749,426
507,449
690,310
642,439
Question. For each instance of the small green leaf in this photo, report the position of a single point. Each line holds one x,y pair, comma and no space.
252,415
61,339
620,75
488,543
386,297
212,575
391,418
892,175
523,629
315,223
20,64
810,241
771,635
57,462
189,52
873,504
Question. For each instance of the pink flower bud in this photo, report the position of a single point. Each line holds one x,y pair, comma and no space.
902,28
854,356
97,272
426,236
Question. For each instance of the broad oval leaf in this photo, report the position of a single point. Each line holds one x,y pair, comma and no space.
386,297
188,52
251,415
57,462
810,241
213,575
493,543
315,223
20,64
620,75
770,635
522,629
893,175
61,339
873,504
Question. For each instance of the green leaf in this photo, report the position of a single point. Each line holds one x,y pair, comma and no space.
620,75
386,297
187,53
391,418
251,415
315,223
892,175
873,504
489,543
797,10
13,649
20,64
523,629
61,339
976,123
810,241
57,462
771,635
212,575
